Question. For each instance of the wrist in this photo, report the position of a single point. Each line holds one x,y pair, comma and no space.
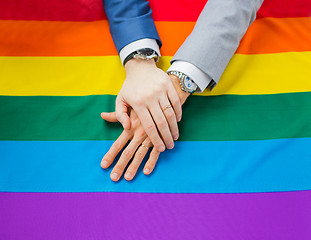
138,63
181,94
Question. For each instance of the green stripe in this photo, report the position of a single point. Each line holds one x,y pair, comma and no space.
214,118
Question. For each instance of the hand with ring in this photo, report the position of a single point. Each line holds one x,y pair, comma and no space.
139,142
136,149
148,89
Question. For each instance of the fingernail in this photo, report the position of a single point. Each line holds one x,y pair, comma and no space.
146,171
128,175
114,176
161,149
171,146
176,137
104,164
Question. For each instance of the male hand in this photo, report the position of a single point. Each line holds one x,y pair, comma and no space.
147,89
138,147
139,143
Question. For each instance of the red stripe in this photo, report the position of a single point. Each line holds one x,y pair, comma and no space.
52,10
189,10
173,10
285,8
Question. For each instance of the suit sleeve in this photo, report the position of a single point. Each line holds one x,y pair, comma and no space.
129,21
217,35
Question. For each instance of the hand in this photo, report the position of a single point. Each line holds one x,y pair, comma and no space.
148,90
138,137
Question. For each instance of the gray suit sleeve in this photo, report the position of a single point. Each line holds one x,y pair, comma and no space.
217,35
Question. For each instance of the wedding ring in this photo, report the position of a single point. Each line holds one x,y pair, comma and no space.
167,107
144,146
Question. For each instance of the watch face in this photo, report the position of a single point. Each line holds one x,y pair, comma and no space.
189,84
146,51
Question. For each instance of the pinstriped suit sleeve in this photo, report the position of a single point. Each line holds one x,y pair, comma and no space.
129,21
217,35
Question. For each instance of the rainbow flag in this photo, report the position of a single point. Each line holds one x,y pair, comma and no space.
245,174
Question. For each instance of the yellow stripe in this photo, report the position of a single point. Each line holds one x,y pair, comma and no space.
77,76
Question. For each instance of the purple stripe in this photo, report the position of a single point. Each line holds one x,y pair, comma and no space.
134,216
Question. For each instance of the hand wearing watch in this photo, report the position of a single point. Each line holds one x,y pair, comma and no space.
185,82
144,53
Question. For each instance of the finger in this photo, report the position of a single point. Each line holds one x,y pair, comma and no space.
121,113
109,116
150,164
170,118
162,125
150,128
138,158
174,99
115,149
126,156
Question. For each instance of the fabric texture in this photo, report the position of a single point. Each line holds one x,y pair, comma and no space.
245,174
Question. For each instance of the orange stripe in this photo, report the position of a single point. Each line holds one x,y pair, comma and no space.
266,35
49,38
271,35
43,38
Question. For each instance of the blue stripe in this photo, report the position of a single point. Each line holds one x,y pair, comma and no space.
192,167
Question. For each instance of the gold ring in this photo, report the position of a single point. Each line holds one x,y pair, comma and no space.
142,145
167,107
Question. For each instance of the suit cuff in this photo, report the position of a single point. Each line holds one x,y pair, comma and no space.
196,74
139,44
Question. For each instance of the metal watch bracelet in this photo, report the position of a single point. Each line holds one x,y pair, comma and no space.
182,77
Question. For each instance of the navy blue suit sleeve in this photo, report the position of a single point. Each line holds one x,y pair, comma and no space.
130,20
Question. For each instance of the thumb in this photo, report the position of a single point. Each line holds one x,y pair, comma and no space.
121,113
110,117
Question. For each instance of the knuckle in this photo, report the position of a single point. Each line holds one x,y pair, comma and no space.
140,154
116,146
140,134
127,153
118,168
139,102
108,157
170,114
148,97
149,127
158,90
157,143
118,115
135,123
176,102
162,84
162,123
150,165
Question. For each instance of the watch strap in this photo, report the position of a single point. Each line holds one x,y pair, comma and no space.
129,57
181,76
132,55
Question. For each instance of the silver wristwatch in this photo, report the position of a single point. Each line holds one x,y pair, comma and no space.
186,83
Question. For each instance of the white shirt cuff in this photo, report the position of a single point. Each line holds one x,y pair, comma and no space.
196,74
139,44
